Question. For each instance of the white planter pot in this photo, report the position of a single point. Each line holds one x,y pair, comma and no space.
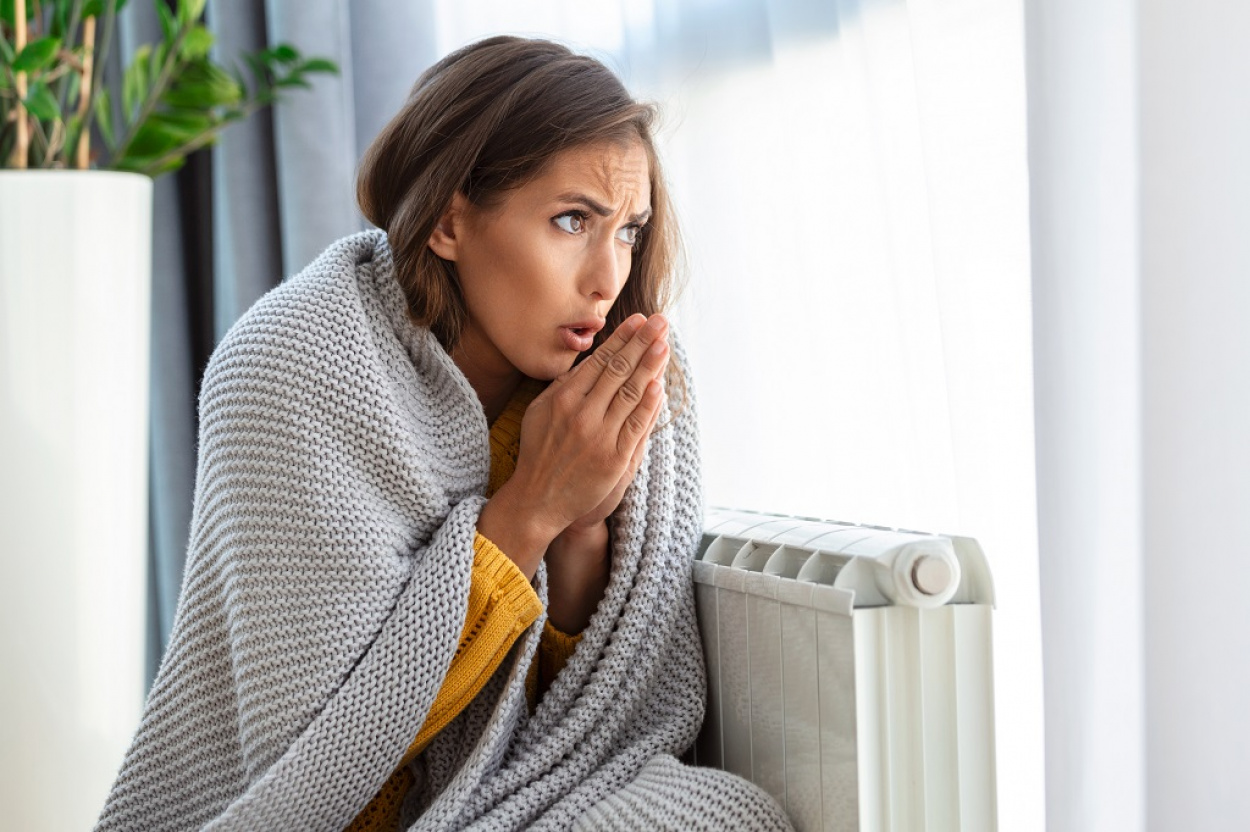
75,270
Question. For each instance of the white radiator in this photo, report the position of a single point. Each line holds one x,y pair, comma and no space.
849,671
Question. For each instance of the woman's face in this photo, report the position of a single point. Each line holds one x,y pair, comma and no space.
540,270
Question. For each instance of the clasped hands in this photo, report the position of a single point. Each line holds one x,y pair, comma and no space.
582,441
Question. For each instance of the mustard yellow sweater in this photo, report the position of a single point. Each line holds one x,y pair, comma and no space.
502,604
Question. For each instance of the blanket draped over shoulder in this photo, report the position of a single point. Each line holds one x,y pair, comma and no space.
342,461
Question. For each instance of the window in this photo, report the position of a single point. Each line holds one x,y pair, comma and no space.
851,179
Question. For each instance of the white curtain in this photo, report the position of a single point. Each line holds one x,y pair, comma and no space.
1140,190
852,182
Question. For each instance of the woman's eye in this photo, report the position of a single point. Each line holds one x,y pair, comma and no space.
572,223
629,234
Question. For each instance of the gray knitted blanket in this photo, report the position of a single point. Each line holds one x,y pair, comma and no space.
342,462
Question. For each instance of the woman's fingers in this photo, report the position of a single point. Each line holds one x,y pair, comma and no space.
618,369
585,435
598,377
636,460
638,422
630,392
582,378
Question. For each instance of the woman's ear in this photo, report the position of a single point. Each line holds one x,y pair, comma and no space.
448,234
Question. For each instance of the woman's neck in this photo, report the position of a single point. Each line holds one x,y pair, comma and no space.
493,381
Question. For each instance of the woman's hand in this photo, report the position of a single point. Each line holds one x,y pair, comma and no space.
583,438
578,561
588,522
581,442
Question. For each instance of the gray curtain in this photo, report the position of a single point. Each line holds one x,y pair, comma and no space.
253,210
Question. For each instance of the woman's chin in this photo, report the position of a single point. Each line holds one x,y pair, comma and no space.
549,368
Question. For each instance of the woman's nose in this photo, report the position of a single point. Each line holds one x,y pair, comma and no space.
607,270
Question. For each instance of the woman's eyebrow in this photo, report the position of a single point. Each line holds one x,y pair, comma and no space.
599,208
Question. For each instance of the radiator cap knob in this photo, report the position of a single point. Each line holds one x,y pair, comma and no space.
931,575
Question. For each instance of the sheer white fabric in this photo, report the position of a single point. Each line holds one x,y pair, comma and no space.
1137,137
852,184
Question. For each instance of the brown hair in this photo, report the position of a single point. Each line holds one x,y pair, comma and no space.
487,118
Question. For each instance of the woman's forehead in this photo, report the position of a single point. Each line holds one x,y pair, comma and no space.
614,174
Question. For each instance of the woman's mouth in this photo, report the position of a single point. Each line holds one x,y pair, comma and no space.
580,335
579,338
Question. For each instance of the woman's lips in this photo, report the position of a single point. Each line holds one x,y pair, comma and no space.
577,338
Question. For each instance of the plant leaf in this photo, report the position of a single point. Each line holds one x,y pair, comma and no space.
41,103
154,139
318,65
37,54
135,83
284,53
258,67
201,86
168,25
95,8
104,117
6,51
187,125
72,128
190,11
197,43
293,80
8,12
61,10
150,165
155,62
169,166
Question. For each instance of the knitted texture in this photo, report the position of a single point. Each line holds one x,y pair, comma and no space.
668,795
343,460
501,605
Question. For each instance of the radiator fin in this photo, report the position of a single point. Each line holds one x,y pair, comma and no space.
859,707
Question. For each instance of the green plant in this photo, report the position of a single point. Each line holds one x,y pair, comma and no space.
174,98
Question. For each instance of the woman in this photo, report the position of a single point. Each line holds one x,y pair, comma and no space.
439,577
